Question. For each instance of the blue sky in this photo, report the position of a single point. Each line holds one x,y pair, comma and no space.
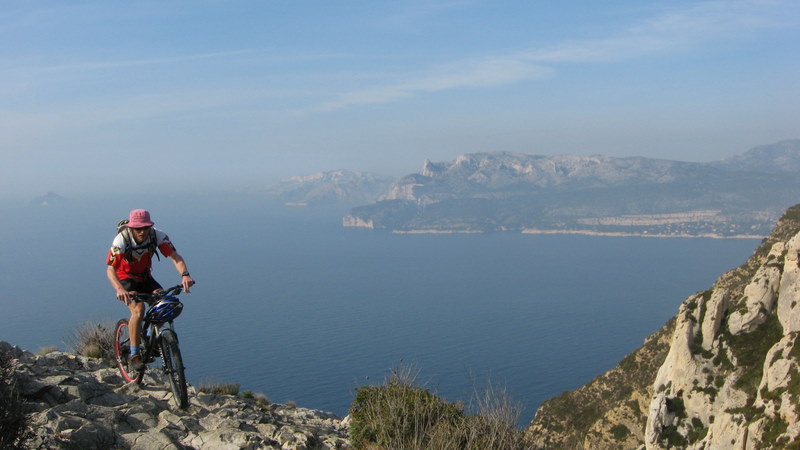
105,95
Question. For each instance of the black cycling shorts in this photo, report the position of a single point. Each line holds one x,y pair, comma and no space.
146,286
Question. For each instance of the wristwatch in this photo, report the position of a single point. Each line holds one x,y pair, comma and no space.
185,274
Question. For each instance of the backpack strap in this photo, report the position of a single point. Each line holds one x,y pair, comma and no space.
130,243
154,243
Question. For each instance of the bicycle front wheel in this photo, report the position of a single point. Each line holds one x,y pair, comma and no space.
173,367
122,351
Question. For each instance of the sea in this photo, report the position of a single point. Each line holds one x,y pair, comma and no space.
290,304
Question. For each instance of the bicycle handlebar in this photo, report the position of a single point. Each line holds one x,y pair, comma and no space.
141,297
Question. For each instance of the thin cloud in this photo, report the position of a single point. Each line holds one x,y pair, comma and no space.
670,31
410,15
144,62
470,74
673,30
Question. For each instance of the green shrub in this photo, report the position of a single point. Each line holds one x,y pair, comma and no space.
13,422
620,432
751,351
400,415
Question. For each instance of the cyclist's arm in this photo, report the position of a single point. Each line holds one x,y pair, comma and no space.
122,294
180,266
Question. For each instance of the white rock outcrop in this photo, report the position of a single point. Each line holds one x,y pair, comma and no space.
789,294
731,376
759,296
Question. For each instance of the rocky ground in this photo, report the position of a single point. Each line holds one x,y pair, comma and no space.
78,402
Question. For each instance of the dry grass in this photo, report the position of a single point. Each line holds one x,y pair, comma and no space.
92,340
46,350
260,399
210,386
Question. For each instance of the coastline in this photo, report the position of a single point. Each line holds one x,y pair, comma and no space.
629,234
589,233
437,232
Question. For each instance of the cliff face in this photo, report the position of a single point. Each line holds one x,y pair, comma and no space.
78,402
724,373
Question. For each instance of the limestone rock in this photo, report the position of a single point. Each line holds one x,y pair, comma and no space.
738,389
728,375
76,402
760,295
789,294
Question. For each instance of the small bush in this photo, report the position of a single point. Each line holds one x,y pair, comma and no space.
220,388
92,340
13,422
400,415
620,432
259,398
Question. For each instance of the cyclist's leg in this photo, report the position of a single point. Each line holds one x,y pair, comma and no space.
148,285
137,312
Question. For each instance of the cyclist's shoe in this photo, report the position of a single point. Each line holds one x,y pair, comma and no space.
135,362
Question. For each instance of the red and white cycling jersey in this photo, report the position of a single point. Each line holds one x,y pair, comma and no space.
138,266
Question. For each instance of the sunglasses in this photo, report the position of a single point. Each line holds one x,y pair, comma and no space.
140,228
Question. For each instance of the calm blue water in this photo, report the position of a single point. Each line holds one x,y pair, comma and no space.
290,304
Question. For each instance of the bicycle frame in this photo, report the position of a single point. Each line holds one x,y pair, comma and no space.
158,339
151,338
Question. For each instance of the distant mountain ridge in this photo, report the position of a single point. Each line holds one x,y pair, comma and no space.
336,186
51,198
480,192
781,157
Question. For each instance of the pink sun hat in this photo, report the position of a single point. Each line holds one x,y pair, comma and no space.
139,218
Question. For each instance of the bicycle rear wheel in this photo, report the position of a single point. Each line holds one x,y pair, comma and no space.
173,367
122,350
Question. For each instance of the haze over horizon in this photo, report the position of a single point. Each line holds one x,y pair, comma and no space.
115,96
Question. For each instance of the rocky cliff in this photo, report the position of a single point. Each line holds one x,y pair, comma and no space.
82,403
724,373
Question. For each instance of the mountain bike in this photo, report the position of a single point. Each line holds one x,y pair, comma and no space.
158,340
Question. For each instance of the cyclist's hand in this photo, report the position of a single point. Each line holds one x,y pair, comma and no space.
124,296
187,282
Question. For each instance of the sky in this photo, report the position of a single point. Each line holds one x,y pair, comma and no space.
110,96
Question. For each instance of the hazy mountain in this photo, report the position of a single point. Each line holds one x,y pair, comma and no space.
590,194
338,186
723,373
783,157
51,198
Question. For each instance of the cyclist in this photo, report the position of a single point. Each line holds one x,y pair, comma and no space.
128,269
